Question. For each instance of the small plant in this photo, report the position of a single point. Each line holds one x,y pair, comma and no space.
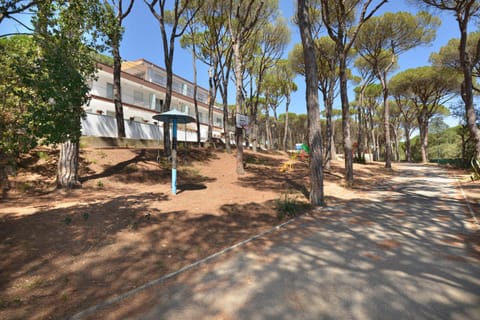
160,264
24,187
360,160
34,284
475,163
85,216
191,172
102,154
100,184
131,168
255,160
288,206
42,155
134,225
68,220
17,302
199,250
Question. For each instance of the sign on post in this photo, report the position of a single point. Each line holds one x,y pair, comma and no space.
242,121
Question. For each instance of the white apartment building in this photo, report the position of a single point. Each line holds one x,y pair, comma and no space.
143,93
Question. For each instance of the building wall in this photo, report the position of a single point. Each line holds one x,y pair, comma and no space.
142,99
106,126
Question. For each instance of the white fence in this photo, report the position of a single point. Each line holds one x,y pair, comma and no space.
106,126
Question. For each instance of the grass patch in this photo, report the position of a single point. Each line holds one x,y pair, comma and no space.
24,186
190,172
131,168
33,284
101,154
289,206
255,160
12,303
42,155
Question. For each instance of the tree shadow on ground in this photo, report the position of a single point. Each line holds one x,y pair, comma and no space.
132,170
107,248
398,255
275,178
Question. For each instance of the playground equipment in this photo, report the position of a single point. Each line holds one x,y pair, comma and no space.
475,169
175,117
287,166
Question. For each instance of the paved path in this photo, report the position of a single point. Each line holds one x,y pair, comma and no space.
398,254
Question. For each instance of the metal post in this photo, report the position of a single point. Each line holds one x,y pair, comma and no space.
174,157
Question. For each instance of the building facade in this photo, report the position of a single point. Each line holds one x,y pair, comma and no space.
143,94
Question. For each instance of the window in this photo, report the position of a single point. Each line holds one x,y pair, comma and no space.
109,90
158,104
152,101
155,103
177,87
218,122
183,108
202,97
138,97
159,79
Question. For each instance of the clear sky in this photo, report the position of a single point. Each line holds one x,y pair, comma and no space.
142,40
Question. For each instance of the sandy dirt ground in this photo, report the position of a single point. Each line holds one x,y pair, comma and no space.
64,251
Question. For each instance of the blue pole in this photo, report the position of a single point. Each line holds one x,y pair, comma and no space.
174,157
174,181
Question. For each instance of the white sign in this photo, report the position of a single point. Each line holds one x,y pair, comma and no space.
242,120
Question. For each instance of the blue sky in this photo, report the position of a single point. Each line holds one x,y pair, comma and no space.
142,40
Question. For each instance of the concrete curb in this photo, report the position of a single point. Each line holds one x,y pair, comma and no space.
467,203
130,293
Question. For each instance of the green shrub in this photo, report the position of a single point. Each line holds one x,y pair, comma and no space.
289,206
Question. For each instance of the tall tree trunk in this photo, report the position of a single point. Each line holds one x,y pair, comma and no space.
366,136
374,143
285,133
467,89
211,101
464,145
117,91
360,134
115,38
195,89
239,104
254,136
386,121
275,139
253,127
313,113
347,141
386,127
166,107
268,129
408,148
423,126
225,116
395,137
328,115
67,168
4,171
333,150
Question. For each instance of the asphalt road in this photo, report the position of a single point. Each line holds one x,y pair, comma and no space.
403,252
